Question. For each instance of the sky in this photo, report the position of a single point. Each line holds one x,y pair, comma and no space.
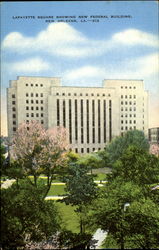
83,42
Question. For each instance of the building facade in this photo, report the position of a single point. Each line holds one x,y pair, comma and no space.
92,115
153,134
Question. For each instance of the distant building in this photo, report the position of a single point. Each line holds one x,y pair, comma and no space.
92,115
153,135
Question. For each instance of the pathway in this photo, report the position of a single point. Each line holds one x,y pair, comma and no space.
98,238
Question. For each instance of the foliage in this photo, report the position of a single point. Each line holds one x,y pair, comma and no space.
90,161
39,151
154,149
138,166
26,216
81,191
71,240
118,146
137,225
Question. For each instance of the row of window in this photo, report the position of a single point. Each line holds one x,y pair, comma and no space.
126,103
35,94
128,96
34,101
130,87
130,109
85,150
122,121
130,115
34,115
33,85
82,94
128,128
34,108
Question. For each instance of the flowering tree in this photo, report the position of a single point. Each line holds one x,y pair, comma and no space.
39,151
154,149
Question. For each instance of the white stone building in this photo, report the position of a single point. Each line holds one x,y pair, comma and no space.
92,115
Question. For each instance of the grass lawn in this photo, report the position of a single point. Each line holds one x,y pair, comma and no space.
70,219
57,190
100,177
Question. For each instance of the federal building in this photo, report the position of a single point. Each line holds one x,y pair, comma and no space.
93,116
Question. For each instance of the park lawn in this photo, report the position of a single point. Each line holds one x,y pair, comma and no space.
57,190
100,177
70,220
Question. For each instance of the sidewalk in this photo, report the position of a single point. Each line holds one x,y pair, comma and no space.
98,238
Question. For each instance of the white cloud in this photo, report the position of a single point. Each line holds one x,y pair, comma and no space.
83,72
135,37
64,40
32,65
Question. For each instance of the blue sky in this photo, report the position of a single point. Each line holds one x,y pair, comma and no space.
82,53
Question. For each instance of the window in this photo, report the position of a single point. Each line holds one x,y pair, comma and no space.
130,96
32,114
130,109
121,96
26,84
126,121
122,109
134,121
13,102
36,85
27,108
41,94
13,96
42,114
87,150
130,121
82,150
42,108
126,128
92,94
32,94
27,94
63,94
130,103
32,108
134,115
14,122
121,87
76,121
37,101
134,96
41,101
122,128
27,114
121,102
76,150
42,122
41,85
103,94
57,93
14,129
14,116
86,94
37,108
126,96
36,94
134,87
126,103
27,101
13,109
31,85
58,112
122,121
32,101
37,115
75,94
69,94
80,94
126,87
130,87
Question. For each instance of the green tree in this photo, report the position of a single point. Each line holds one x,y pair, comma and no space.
138,166
81,191
118,146
130,218
26,216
